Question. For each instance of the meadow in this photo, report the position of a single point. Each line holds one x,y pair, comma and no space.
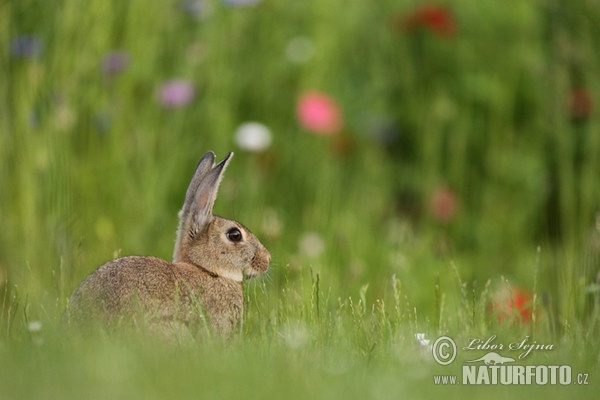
416,170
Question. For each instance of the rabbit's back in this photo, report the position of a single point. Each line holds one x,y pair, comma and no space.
153,292
130,287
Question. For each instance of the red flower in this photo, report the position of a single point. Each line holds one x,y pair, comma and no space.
513,304
443,204
436,18
581,104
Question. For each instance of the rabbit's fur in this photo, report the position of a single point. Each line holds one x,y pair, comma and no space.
212,255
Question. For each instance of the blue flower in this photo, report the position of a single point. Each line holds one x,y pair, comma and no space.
196,8
241,2
26,46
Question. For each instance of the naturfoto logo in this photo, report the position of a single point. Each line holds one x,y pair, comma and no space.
497,365
525,345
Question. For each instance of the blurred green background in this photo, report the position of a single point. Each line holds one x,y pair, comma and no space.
469,145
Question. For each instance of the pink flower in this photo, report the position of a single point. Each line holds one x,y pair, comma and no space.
176,93
443,204
317,112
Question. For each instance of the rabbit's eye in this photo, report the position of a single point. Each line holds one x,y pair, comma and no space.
234,235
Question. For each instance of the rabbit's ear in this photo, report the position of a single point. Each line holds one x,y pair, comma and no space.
206,193
206,163
199,200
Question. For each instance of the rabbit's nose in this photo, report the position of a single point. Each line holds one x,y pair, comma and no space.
261,260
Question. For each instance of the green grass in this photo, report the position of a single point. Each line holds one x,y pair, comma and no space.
294,344
92,166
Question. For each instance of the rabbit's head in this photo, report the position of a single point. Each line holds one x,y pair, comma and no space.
220,246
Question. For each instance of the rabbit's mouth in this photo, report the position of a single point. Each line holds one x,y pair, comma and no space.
250,273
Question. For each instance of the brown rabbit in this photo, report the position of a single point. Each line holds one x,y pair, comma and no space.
212,255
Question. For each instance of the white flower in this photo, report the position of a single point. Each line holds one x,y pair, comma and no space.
299,50
295,335
421,339
34,326
35,330
311,244
272,226
253,137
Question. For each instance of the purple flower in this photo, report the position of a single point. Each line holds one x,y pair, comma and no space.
176,93
115,62
26,46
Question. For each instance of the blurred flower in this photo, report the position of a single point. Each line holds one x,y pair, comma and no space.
443,204
512,304
253,137
64,116
581,104
422,342
436,18
241,2
35,332
295,335
271,225
420,337
34,326
176,93
299,50
382,129
319,113
26,46
115,62
34,118
197,8
311,244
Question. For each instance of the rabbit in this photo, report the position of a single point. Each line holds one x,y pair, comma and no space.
211,258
